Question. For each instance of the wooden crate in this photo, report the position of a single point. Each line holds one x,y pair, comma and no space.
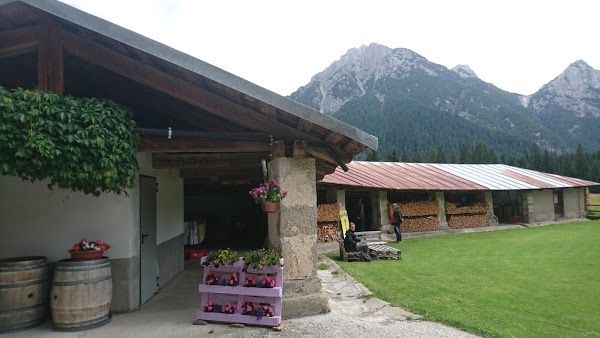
240,294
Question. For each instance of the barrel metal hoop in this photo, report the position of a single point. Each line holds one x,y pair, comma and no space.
33,282
23,309
83,281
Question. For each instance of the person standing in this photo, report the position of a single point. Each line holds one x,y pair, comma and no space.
360,215
397,222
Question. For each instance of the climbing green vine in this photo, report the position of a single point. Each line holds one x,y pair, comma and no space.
81,144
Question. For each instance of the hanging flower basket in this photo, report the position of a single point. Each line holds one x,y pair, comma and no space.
269,207
268,194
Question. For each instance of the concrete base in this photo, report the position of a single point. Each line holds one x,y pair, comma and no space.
303,297
302,306
170,259
126,284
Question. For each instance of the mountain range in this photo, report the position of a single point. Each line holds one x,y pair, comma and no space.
413,104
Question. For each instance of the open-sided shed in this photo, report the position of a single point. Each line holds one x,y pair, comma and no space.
199,126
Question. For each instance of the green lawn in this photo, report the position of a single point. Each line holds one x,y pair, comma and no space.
534,282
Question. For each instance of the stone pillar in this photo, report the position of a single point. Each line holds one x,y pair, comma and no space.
527,206
439,196
293,233
490,202
380,206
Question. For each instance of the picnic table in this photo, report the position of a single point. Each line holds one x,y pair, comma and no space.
378,249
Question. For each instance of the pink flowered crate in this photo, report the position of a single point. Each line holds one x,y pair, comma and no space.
240,294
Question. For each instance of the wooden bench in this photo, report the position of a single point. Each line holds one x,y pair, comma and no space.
377,248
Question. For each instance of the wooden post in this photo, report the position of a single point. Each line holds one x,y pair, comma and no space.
50,59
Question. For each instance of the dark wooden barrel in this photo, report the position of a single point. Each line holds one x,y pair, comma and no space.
24,286
81,294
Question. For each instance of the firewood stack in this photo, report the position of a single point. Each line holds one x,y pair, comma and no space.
417,224
328,220
467,216
418,215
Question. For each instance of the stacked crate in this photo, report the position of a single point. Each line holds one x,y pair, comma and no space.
239,294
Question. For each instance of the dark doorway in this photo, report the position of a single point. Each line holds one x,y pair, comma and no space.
559,207
228,214
352,199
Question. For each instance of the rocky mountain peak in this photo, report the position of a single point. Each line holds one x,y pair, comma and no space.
464,71
576,89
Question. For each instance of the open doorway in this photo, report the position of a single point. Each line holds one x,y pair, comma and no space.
353,201
226,215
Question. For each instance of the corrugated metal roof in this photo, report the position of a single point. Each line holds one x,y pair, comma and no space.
434,176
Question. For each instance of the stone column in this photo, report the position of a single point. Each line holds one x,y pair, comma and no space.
490,202
527,207
380,206
293,233
439,196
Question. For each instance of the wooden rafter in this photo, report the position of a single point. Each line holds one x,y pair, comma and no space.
194,163
19,41
50,59
254,173
204,146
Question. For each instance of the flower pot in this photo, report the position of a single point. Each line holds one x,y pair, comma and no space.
86,255
269,207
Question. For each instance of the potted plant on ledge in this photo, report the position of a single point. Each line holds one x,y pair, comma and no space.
268,194
85,250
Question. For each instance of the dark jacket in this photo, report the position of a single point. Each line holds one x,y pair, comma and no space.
350,241
398,217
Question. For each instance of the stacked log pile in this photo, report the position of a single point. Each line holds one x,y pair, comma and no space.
420,224
327,232
328,212
418,215
467,216
456,209
328,220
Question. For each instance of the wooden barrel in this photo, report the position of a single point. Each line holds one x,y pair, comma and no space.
80,295
24,286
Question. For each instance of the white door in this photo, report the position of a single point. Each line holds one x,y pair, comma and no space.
148,249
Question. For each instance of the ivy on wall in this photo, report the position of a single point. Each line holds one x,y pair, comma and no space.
80,144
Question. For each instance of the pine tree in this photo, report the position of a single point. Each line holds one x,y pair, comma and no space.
372,156
432,155
441,156
464,156
453,156
405,156
417,157
392,156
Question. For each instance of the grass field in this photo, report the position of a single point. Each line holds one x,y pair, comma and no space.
534,282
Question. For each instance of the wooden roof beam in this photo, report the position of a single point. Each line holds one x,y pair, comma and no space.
202,146
19,41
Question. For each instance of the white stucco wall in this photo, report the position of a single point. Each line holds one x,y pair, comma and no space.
38,221
574,202
543,206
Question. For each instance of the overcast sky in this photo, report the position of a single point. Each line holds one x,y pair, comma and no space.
517,45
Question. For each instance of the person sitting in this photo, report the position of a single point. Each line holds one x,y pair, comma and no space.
351,242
